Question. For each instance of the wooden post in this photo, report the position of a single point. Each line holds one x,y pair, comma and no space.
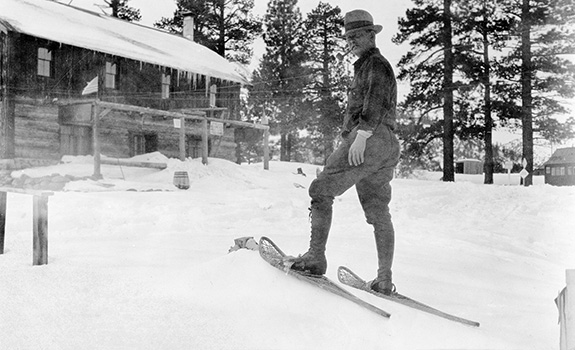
567,313
7,102
182,139
205,141
3,198
96,139
40,234
266,141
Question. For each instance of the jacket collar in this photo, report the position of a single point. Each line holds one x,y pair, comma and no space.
366,54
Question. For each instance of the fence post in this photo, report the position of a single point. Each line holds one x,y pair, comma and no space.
96,139
40,234
182,139
205,141
570,310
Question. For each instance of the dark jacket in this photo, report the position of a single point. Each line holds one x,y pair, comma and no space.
372,97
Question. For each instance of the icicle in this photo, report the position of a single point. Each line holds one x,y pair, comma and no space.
207,85
141,65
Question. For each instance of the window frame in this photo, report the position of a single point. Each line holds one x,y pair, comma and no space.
111,78
45,59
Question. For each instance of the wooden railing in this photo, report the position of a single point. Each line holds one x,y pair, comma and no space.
100,109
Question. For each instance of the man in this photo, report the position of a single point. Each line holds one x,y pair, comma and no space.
366,157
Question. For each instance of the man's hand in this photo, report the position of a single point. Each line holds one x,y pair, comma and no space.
357,149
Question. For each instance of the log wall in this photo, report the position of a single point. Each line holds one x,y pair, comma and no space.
34,127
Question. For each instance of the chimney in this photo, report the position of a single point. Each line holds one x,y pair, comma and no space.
188,26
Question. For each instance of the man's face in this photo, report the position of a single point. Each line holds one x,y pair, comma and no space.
359,42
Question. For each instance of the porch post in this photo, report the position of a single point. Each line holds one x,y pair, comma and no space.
7,103
96,139
205,141
182,139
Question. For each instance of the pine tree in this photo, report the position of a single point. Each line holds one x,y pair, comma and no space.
329,80
535,74
282,76
481,35
225,26
429,67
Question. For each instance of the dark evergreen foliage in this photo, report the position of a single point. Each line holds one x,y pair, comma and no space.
509,68
280,83
122,10
225,26
330,78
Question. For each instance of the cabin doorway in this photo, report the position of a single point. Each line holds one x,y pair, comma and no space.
143,143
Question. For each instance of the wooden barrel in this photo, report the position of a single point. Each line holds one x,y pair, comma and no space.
181,180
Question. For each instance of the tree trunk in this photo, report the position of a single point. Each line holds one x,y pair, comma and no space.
222,34
526,90
285,146
289,146
488,165
448,164
7,104
115,5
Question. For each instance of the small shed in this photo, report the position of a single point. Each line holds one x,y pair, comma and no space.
469,166
559,169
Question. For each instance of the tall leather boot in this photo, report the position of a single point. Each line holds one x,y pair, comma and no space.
314,261
385,244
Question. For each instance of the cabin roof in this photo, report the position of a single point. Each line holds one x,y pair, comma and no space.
78,27
562,156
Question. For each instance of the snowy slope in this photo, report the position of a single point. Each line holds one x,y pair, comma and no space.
136,264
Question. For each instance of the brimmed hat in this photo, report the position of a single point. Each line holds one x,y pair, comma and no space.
357,20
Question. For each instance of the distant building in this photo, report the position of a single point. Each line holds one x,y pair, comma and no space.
469,166
559,169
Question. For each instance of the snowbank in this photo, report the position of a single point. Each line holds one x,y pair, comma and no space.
151,269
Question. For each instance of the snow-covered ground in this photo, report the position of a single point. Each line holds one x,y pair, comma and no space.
135,263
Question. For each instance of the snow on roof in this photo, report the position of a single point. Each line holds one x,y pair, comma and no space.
82,28
562,156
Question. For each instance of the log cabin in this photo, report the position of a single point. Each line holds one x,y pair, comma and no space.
51,53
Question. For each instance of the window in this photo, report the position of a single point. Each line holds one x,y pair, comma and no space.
166,81
44,62
111,75
562,169
548,170
570,170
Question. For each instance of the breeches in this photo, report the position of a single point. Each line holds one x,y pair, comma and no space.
371,178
